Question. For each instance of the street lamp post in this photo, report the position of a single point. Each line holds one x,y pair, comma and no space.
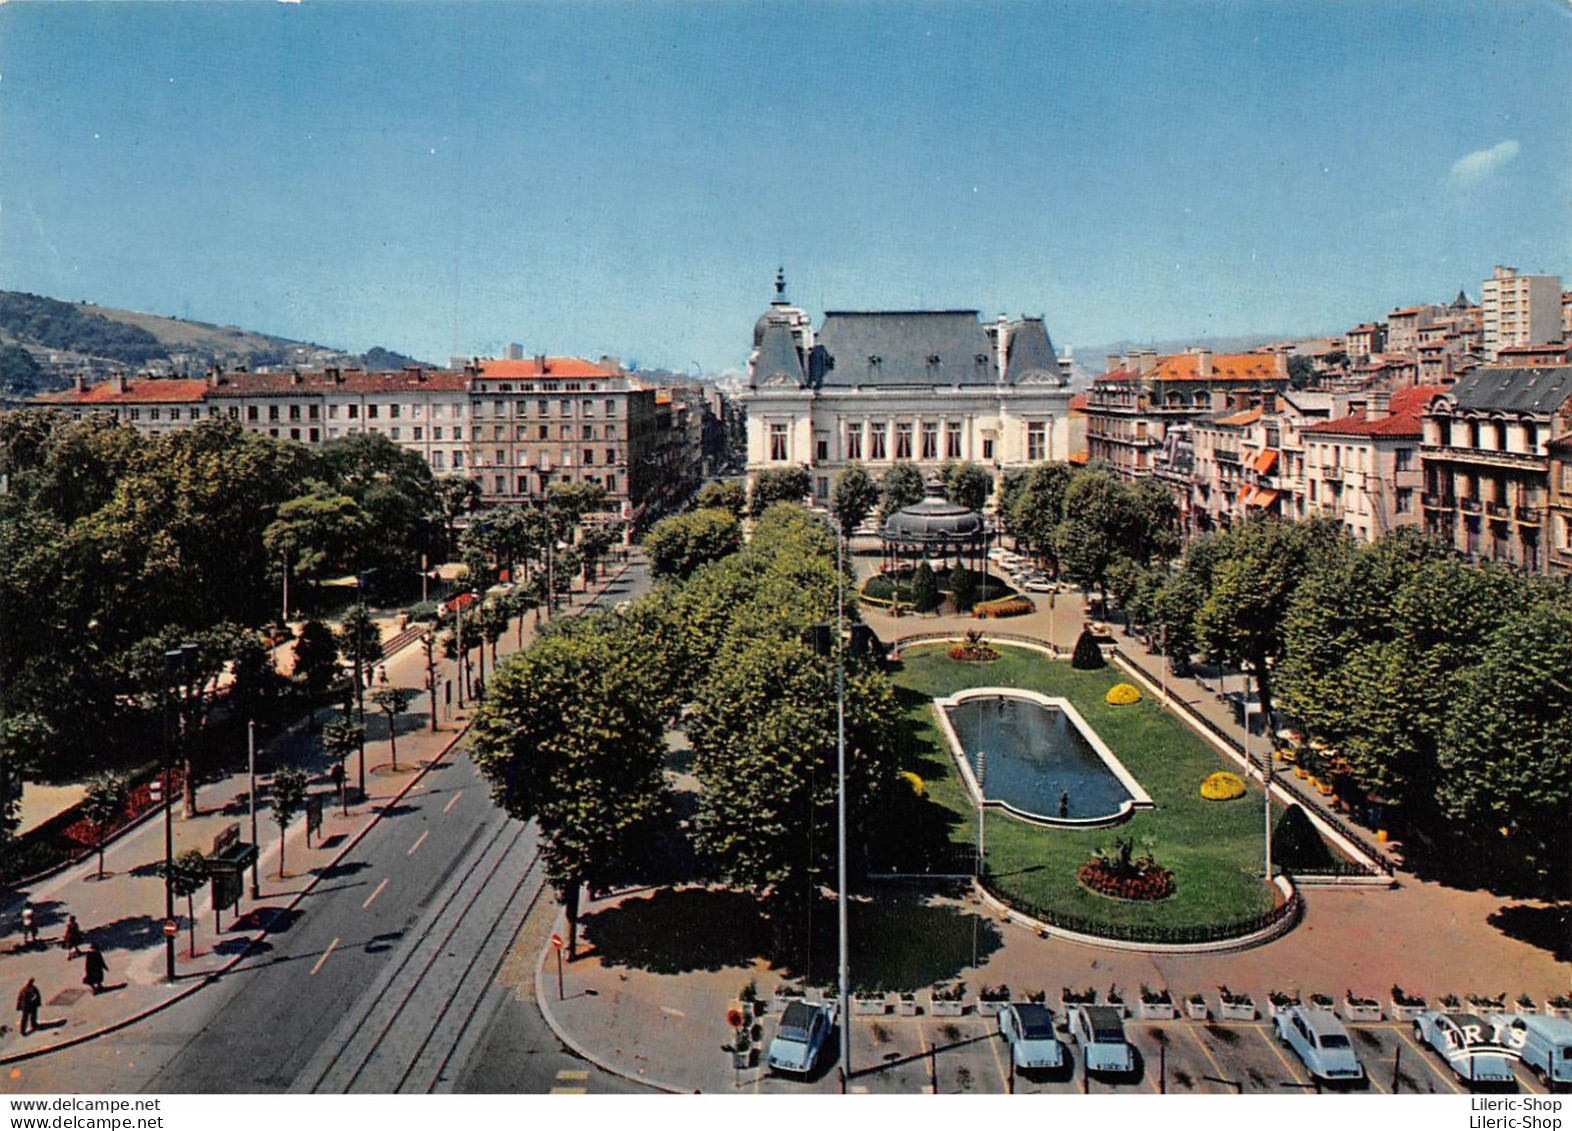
176,660
361,581
840,796
251,794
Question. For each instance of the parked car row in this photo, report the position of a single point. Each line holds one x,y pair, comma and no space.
1028,1028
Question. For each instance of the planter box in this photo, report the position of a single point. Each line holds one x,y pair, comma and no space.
990,1008
1524,1010
906,1007
1362,1012
779,1002
947,1008
1562,1011
1406,1012
1274,1010
1323,1006
870,1006
1157,1010
1196,1010
1237,1011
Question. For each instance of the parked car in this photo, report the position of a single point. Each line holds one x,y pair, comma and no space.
1040,584
1028,1028
1542,1043
1320,1041
1468,1044
801,1035
1099,1030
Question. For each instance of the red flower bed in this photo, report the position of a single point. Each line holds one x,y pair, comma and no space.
1126,876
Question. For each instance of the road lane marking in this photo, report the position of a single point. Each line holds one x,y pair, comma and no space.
1272,1044
324,957
373,895
453,801
1208,1053
569,1091
573,1074
418,843
674,1012
1445,1074
1004,1073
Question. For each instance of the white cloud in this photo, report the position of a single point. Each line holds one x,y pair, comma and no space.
1472,168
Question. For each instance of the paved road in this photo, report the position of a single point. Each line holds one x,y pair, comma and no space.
417,916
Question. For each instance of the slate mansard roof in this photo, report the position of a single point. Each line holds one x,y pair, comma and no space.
1525,389
906,347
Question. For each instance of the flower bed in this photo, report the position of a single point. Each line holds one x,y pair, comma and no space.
974,649
1222,786
1122,695
1236,1006
1015,606
1126,876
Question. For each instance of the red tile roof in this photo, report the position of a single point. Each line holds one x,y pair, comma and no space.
554,367
1078,402
1240,419
1406,407
141,390
356,381
1225,367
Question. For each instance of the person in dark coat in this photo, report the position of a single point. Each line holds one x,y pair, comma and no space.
28,1002
71,937
94,968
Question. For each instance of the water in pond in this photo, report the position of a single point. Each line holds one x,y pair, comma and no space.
1038,761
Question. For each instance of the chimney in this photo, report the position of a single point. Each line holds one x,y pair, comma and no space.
1280,357
1380,404
1148,361
294,376
1113,364
332,374
212,378
81,383
1203,362
120,381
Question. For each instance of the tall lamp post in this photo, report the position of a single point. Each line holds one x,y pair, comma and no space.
362,579
177,661
840,796
251,796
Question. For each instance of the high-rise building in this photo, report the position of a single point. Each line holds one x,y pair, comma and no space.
1520,310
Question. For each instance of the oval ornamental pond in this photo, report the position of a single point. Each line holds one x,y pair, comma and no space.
1039,760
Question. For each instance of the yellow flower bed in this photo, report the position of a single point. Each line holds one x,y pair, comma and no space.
1222,786
1123,694
914,781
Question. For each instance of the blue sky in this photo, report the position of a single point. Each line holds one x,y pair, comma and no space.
625,178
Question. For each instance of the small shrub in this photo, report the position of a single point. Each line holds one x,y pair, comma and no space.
1122,695
1222,786
1014,606
1088,654
963,588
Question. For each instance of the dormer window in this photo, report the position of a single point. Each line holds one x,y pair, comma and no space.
933,359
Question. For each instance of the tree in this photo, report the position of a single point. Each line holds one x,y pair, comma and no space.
1088,654
723,494
186,877
571,737
967,484
359,642
679,545
316,661
289,798
316,534
1506,755
340,738
963,589
103,805
778,485
1243,620
1032,505
1156,518
575,500
392,702
454,496
900,487
24,740
925,589
594,543
1098,529
853,497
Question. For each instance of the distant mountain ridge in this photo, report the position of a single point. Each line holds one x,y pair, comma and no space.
45,341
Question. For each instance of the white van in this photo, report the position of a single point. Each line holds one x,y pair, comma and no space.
1542,1043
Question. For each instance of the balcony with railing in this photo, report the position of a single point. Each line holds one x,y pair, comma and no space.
1498,510
1532,516
1436,502
1469,505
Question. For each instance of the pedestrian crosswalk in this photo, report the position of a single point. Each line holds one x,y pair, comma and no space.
571,1082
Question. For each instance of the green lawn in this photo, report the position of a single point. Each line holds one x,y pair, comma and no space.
1214,848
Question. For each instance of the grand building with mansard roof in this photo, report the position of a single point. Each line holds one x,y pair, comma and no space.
872,387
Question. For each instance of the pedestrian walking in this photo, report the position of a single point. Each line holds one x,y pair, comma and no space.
94,969
28,1002
29,925
71,937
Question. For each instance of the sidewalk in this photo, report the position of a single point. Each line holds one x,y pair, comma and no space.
123,913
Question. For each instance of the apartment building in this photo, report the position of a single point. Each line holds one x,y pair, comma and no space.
1519,310
1363,469
1487,461
1141,396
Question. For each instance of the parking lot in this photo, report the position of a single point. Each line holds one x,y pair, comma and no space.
949,1056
